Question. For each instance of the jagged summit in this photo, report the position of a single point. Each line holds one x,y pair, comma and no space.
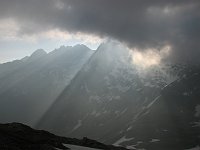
36,81
38,53
77,46
81,46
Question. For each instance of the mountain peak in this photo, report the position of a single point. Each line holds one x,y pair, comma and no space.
38,53
81,46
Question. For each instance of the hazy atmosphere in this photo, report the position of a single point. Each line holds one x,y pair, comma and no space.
99,74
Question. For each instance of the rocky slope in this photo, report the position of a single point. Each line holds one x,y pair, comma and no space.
172,119
16,136
109,97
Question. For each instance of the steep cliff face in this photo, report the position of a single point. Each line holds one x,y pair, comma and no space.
109,97
172,120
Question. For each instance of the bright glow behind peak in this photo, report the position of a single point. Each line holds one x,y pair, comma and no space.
149,57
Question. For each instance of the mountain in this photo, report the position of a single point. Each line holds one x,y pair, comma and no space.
173,121
113,101
30,85
17,136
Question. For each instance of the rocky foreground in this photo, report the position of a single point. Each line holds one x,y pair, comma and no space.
17,136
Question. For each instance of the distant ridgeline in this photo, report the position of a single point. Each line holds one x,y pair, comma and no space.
29,86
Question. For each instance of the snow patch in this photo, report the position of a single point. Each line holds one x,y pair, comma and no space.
131,147
93,112
139,89
122,89
129,128
122,112
79,124
148,84
185,94
197,109
95,98
139,142
194,148
75,147
96,114
150,104
122,140
117,112
86,88
154,140
196,124
105,112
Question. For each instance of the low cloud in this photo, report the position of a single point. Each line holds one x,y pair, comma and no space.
149,57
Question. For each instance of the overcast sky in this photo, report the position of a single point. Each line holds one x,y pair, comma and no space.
26,25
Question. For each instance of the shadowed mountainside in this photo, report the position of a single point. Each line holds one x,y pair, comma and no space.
17,136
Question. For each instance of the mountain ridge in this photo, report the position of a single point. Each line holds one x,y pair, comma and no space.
30,81
109,96
17,136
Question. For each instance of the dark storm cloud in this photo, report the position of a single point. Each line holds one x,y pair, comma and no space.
138,23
